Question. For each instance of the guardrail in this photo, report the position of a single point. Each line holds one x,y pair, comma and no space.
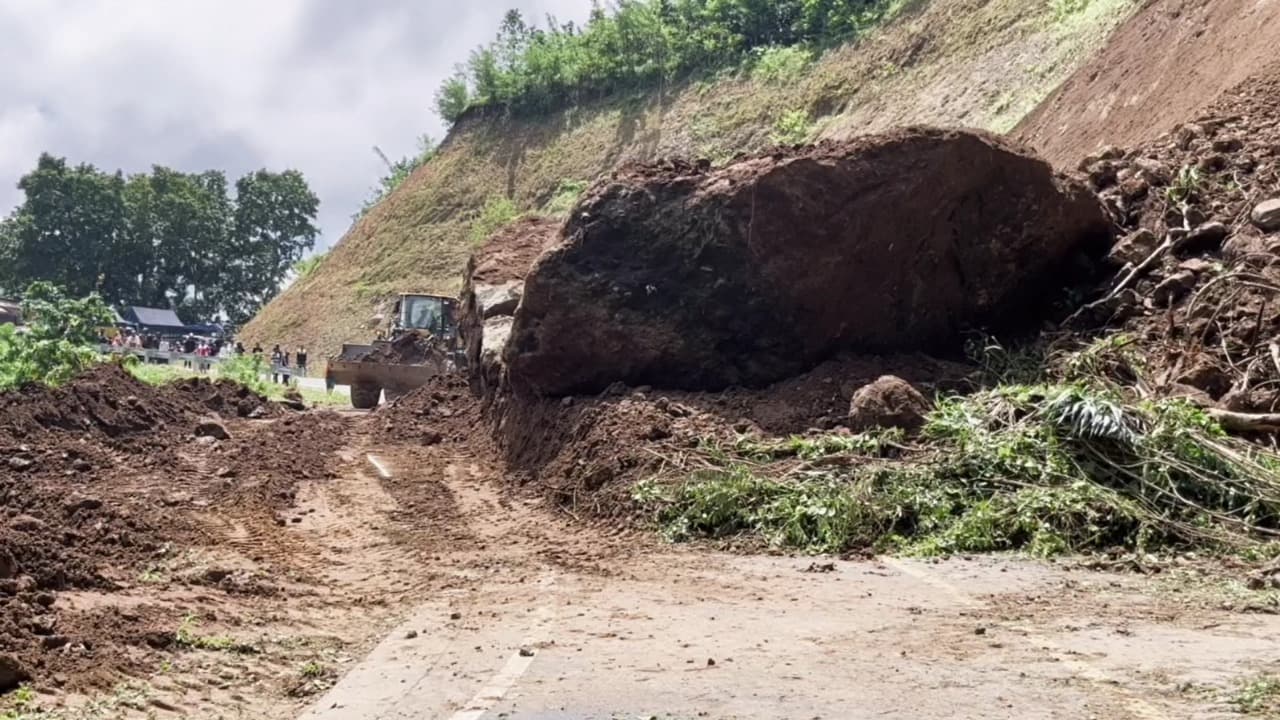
199,363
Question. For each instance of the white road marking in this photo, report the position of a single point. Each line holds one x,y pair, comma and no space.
377,465
517,665
1140,708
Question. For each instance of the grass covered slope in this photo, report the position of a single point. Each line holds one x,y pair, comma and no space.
979,63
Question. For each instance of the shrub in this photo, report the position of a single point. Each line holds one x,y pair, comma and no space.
792,128
59,340
247,370
566,196
778,64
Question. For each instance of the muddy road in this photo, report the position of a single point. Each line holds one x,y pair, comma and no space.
411,583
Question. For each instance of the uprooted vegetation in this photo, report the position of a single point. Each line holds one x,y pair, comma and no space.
1073,464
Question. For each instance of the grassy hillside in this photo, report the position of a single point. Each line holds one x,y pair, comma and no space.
979,63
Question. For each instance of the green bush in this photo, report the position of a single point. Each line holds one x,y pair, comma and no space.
59,340
780,64
792,128
247,370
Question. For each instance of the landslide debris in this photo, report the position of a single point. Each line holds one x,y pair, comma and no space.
102,478
1197,271
679,275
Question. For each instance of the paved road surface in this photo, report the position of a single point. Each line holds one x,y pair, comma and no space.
541,631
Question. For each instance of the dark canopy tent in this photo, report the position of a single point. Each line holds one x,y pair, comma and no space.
154,320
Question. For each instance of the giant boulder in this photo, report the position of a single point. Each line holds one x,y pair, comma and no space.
680,276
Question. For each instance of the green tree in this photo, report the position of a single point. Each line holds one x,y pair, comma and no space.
273,227
160,238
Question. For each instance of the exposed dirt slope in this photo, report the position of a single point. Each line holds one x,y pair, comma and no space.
1170,61
980,63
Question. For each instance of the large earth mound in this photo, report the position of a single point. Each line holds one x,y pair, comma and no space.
680,276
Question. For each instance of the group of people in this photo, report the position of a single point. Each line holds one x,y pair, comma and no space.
281,367
188,344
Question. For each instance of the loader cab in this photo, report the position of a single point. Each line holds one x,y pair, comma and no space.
432,313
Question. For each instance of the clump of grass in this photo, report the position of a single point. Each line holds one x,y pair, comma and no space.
780,64
1063,9
187,637
1185,186
793,127
565,197
497,212
1258,696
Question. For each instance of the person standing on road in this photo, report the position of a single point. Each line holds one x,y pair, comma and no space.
302,361
275,364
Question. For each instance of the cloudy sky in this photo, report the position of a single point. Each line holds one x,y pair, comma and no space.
235,85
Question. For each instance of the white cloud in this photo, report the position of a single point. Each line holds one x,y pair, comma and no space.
234,84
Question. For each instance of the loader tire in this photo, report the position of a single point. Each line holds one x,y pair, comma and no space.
364,396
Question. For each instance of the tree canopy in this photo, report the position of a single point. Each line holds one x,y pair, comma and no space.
159,238
638,42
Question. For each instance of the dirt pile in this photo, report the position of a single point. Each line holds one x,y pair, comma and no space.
105,402
103,477
227,398
585,451
444,409
410,348
1198,281
680,276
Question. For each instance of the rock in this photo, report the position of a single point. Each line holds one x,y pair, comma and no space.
1205,238
257,413
1153,171
1266,215
1102,174
1214,163
1195,396
1172,288
81,465
1134,247
1227,144
8,564
1208,378
12,673
501,299
411,635
1243,247
212,429
889,402
758,270
21,463
225,472
53,642
1135,188
77,501
26,523
1199,266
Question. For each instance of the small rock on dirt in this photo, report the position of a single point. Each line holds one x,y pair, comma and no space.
889,402
1173,287
26,523
1205,237
212,429
12,673
1266,215
455,616
21,463
1134,247
526,652
412,634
